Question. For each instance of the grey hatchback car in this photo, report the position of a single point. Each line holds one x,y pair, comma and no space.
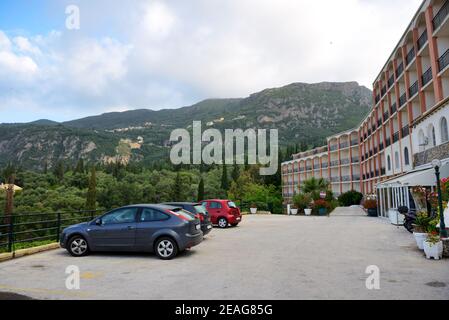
164,230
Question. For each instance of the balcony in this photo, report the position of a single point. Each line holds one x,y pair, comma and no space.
356,177
335,179
383,91
383,171
410,56
316,167
413,89
399,70
369,132
375,150
377,99
379,123
395,137
443,61
427,76
405,131
344,145
391,81
354,142
345,162
334,163
381,146
386,116
346,179
325,165
388,142
309,168
394,108
333,148
355,160
440,16
301,169
402,100
422,40
377,173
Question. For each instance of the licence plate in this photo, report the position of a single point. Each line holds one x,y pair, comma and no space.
198,227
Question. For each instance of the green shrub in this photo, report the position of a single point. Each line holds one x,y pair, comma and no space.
302,201
350,198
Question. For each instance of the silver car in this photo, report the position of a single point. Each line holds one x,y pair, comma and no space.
164,230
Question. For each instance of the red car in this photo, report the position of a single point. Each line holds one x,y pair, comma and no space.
223,212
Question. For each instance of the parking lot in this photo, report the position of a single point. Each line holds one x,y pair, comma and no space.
266,257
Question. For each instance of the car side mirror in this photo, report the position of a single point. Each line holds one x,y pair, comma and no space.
98,222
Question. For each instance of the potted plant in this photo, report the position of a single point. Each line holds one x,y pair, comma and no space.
321,206
253,208
433,246
294,210
420,228
302,201
371,206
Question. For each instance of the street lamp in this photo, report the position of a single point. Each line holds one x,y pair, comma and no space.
437,165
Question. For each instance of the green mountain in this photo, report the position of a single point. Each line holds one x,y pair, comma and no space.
303,113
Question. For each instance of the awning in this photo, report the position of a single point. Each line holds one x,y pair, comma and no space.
422,176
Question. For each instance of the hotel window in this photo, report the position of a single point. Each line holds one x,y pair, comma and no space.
406,157
389,163
444,131
431,135
396,160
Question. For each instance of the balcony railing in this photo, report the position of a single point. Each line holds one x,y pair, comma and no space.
405,131
394,108
399,70
377,99
334,163
395,137
422,40
413,89
410,56
427,76
443,61
441,15
402,100
391,81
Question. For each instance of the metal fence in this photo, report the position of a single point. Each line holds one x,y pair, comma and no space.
17,230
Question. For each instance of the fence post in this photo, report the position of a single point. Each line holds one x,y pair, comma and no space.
11,233
58,229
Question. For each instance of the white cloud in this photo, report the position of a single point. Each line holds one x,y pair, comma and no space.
158,54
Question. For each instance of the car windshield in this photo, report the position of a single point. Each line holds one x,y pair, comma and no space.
232,204
200,209
184,213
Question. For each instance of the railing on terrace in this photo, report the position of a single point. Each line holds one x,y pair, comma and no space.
413,89
441,15
402,100
410,56
427,76
405,131
399,70
422,40
396,137
24,228
391,81
443,61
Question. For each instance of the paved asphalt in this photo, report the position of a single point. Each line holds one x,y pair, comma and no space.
266,257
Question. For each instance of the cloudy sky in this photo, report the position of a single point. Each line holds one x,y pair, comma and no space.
170,53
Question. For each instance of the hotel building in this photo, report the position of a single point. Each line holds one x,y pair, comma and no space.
407,126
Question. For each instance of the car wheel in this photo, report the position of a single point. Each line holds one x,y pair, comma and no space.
77,246
166,248
223,223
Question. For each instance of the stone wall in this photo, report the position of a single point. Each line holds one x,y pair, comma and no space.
439,152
